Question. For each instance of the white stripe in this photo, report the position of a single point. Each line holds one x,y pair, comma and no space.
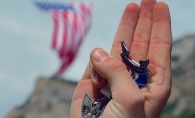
60,32
70,31
78,31
64,29
136,63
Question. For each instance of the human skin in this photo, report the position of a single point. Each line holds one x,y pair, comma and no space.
146,30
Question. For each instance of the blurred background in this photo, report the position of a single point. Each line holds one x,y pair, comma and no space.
26,58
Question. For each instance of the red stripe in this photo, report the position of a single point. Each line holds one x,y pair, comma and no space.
73,33
130,58
65,34
75,23
71,56
55,31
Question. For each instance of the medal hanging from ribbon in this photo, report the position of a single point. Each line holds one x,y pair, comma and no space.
138,71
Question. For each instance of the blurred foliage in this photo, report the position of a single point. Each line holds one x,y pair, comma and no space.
175,58
187,114
177,71
169,108
20,116
166,113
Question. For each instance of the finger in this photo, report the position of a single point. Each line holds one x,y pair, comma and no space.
86,81
125,29
118,78
161,42
91,74
96,79
141,39
84,87
159,55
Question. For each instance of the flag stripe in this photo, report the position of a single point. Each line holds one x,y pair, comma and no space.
55,31
71,24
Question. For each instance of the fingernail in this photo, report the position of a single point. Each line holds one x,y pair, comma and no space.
100,55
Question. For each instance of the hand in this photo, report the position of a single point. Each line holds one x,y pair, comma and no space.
146,30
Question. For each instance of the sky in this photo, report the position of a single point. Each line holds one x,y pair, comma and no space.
25,35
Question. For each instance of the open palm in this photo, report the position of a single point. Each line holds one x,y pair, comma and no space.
146,30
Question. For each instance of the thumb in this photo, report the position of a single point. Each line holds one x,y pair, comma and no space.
124,90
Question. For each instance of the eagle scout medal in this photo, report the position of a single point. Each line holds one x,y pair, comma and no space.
91,109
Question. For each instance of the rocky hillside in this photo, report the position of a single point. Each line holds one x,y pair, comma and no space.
181,102
52,98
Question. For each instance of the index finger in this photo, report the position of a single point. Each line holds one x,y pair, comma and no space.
125,29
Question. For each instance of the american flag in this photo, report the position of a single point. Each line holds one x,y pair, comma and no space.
72,22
